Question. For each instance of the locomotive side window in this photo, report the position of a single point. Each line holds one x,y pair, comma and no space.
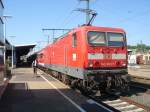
96,38
115,39
74,40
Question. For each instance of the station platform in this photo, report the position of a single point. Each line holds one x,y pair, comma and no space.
26,92
142,71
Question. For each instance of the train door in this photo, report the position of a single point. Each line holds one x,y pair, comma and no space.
65,59
50,55
74,49
65,55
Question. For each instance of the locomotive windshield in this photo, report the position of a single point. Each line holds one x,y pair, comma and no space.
96,38
103,38
115,39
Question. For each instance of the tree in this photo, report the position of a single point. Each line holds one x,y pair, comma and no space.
140,47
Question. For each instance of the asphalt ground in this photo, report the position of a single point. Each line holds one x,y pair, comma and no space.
28,93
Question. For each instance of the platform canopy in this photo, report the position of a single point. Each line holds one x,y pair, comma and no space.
21,52
24,49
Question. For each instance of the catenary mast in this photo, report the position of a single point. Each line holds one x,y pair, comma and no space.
87,11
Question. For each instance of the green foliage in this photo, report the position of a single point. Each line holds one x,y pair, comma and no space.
140,47
131,47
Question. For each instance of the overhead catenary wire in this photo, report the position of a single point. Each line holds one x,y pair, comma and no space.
87,10
121,19
64,23
67,18
138,15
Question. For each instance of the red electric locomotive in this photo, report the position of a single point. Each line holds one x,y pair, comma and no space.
89,57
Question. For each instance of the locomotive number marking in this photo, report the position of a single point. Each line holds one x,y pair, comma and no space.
107,56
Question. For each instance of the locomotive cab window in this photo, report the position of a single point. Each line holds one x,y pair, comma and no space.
116,39
74,40
96,38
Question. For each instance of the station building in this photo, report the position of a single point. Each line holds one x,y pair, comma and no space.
146,58
1,41
20,55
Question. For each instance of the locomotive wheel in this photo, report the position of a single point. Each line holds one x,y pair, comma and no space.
73,84
65,79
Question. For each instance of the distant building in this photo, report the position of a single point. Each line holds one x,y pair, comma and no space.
131,57
135,57
146,58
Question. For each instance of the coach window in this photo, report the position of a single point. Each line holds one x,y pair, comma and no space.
74,40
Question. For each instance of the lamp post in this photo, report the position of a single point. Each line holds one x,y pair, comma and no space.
12,53
5,17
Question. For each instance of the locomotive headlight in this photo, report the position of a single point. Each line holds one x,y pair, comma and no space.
90,64
124,63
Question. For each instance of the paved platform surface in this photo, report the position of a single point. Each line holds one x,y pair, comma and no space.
28,93
140,71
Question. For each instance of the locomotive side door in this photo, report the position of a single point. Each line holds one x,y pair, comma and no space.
65,59
74,48
65,56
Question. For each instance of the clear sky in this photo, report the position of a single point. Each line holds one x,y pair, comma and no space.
30,16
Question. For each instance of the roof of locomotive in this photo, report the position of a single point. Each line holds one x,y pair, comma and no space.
107,29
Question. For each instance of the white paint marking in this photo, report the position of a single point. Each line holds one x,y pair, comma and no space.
71,101
135,110
118,104
90,101
95,56
59,81
113,101
126,107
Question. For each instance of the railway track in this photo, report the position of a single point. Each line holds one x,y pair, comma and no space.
127,102
143,80
136,100
123,106
120,105
139,95
133,101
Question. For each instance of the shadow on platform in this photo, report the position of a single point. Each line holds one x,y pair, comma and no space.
17,98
